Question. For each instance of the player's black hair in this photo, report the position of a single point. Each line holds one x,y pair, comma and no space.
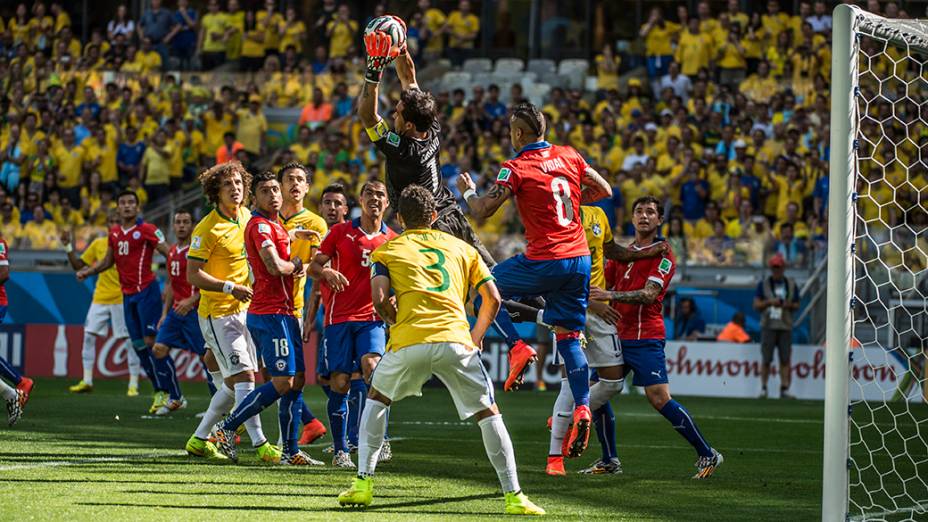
335,188
416,207
184,211
128,193
290,166
368,182
531,116
263,177
229,134
418,108
644,200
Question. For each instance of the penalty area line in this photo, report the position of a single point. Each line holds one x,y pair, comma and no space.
90,460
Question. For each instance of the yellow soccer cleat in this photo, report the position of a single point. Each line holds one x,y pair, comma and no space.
268,453
133,391
81,387
361,493
519,504
160,399
203,448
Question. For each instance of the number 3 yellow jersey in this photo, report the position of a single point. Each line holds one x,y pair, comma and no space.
219,242
597,230
431,273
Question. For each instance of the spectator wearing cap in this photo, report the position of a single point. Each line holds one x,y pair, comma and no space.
229,149
251,127
734,332
688,324
155,24
776,298
677,82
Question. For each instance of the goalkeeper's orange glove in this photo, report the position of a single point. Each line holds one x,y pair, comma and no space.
380,53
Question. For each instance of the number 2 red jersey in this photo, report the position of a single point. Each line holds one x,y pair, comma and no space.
545,180
641,321
133,249
272,294
349,249
177,269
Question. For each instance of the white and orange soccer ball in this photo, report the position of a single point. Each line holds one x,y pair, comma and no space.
394,27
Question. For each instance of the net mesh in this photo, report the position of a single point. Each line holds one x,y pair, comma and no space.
888,475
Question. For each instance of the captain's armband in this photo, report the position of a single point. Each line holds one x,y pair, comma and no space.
379,131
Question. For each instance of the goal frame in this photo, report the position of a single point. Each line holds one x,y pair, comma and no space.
848,22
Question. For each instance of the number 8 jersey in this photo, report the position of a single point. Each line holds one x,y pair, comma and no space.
545,180
349,248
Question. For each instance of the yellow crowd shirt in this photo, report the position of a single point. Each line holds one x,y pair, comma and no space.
70,162
272,28
107,290
303,248
157,167
462,25
251,128
431,273
342,36
434,21
214,28
598,232
219,242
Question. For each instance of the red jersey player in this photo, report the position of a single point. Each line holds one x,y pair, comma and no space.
17,397
354,336
132,245
639,289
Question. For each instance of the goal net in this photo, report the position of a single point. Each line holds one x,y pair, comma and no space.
876,420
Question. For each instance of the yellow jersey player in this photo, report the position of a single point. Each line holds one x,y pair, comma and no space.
218,266
105,312
431,273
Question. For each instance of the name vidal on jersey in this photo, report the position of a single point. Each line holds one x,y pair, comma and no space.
552,164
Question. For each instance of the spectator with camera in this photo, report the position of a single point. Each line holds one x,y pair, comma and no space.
776,298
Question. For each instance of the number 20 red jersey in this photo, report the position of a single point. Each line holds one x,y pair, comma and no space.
545,180
177,269
133,249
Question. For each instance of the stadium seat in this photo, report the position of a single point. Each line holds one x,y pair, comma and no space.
477,65
509,66
572,65
542,67
456,79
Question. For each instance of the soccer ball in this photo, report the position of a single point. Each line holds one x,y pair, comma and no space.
393,26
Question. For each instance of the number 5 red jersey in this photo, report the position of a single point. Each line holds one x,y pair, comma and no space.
545,180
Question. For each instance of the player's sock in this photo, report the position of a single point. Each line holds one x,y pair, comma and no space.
603,390
499,448
145,360
306,415
357,396
578,371
561,416
89,356
210,382
167,376
604,420
502,323
681,421
250,401
370,440
288,413
135,365
337,408
7,392
219,405
9,373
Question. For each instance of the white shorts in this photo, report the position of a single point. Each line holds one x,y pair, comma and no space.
100,317
230,342
603,348
402,373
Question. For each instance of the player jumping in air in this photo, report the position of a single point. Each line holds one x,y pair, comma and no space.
354,337
273,326
638,294
218,266
105,309
294,184
412,151
132,244
178,326
431,274
17,395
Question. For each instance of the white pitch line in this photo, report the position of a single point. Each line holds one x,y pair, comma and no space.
89,460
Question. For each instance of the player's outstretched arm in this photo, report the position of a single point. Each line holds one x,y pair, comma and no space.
488,310
645,296
367,105
98,267
617,252
73,258
199,278
482,207
406,71
595,187
380,294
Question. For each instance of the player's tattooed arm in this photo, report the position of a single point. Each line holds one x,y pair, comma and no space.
645,296
482,207
367,104
380,294
277,266
617,252
595,187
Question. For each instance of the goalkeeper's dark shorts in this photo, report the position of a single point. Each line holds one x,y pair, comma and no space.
453,221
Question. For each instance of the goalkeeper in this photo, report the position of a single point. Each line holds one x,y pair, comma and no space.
412,152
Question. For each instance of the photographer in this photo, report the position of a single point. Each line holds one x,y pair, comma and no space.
777,297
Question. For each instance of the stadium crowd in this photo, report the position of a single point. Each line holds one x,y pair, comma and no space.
729,123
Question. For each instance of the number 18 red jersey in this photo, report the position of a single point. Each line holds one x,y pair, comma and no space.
545,180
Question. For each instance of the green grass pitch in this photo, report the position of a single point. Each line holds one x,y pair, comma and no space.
69,458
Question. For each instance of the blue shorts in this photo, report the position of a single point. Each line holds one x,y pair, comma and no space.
564,283
182,331
143,311
344,344
646,358
658,65
3,312
279,342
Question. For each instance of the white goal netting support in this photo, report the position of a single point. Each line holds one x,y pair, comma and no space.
876,419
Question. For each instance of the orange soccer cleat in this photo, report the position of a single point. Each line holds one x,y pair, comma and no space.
521,356
578,436
312,432
25,386
555,466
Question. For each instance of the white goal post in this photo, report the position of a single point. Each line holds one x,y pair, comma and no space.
876,440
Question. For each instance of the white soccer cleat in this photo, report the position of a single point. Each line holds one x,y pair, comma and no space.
386,452
708,465
225,442
14,408
299,459
342,459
